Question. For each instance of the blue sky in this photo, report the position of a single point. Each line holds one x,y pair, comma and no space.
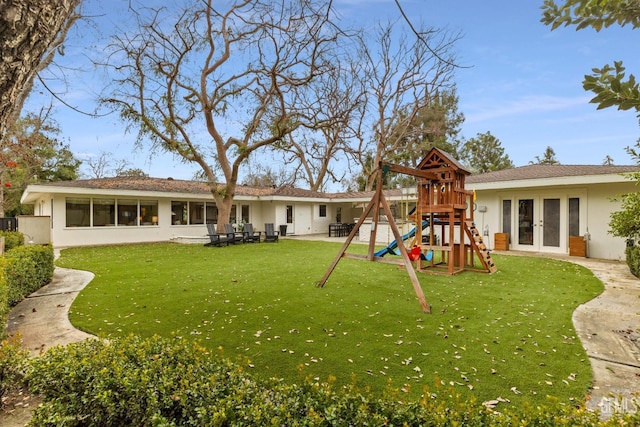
520,81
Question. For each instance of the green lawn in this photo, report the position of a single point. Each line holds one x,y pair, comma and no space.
507,335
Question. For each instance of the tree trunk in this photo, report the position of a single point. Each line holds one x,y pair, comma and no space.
224,203
27,29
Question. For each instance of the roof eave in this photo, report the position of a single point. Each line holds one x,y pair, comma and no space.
550,182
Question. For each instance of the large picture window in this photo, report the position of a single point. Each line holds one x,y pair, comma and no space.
78,212
148,212
179,213
211,213
104,212
127,212
196,212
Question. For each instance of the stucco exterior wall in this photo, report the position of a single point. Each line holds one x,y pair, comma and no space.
596,207
306,220
602,244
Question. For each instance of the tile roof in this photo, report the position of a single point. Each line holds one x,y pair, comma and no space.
548,171
169,185
165,185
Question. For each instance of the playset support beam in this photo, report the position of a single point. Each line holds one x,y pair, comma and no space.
442,197
376,202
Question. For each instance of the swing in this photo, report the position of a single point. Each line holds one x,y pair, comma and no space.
414,253
429,255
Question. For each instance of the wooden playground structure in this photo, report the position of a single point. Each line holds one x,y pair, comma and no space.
443,204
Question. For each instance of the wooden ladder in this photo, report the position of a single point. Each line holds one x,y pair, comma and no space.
479,246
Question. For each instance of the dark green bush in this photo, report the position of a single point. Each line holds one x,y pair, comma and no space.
4,296
44,259
13,364
159,381
27,269
633,260
12,239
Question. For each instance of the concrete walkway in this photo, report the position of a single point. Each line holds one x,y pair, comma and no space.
43,317
608,326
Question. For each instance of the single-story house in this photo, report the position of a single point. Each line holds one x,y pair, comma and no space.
537,206
140,209
540,206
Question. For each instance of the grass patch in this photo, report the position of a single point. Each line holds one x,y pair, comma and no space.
507,335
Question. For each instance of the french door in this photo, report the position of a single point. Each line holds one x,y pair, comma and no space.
539,224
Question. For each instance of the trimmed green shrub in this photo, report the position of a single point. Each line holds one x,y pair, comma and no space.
13,365
633,260
4,296
161,381
27,269
12,239
43,256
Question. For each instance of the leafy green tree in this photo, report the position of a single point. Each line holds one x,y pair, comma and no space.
626,222
485,153
436,124
548,158
610,83
608,161
31,153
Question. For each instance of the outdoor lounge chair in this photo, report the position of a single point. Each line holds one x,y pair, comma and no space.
217,239
236,236
270,234
250,235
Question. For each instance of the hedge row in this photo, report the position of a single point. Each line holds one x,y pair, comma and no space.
168,382
12,239
27,269
633,260
23,269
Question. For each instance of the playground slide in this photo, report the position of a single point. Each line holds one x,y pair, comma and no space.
391,249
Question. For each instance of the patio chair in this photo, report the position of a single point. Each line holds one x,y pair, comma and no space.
270,234
217,239
250,235
236,236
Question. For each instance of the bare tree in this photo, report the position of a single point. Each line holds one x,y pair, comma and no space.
402,78
30,34
214,86
105,165
261,175
336,100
